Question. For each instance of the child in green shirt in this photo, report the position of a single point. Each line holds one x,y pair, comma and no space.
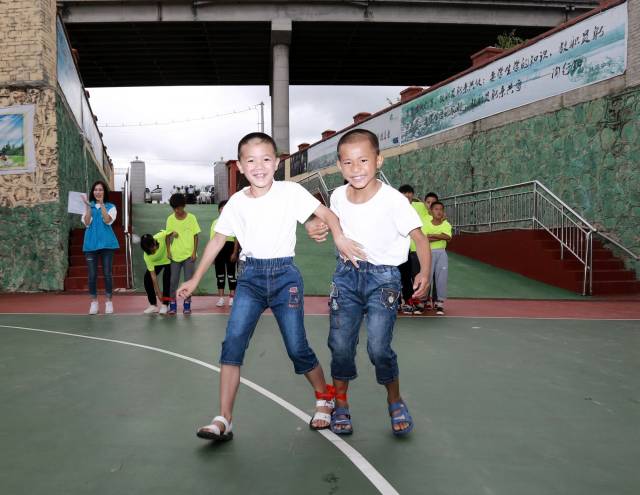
182,246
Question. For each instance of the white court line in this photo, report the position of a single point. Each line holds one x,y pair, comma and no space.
408,317
352,454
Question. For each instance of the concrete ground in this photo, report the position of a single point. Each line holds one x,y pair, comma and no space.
108,405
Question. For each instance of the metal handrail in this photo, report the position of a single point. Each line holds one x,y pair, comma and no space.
528,205
618,245
126,219
321,186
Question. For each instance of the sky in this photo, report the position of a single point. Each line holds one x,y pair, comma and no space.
184,153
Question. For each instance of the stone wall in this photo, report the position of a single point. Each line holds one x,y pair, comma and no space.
34,223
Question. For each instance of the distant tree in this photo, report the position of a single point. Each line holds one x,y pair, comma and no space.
509,40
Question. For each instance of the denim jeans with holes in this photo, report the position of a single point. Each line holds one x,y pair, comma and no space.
92,257
268,283
369,292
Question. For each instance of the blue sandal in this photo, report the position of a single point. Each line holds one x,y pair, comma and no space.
341,417
403,417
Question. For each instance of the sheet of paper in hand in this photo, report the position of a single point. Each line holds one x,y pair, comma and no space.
76,203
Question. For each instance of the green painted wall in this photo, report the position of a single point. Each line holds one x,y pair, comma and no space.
587,154
34,240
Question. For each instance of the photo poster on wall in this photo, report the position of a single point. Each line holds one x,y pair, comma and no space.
17,144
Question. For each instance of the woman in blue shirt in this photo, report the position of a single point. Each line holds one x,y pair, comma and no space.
99,242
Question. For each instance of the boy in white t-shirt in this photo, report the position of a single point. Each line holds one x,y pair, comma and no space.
263,217
381,220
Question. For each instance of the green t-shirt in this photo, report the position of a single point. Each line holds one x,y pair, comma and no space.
424,215
182,246
213,233
160,256
443,228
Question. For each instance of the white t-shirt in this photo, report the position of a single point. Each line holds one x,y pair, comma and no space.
266,226
381,225
112,212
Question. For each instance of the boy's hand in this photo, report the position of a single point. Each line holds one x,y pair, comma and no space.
233,258
194,256
186,289
317,229
349,249
173,235
420,285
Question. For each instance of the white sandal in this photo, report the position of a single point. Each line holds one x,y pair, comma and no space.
212,431
324,399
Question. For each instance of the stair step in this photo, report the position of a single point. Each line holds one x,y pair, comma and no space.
79,259
605,275
82,270
598,265
616,287
81,283
537,256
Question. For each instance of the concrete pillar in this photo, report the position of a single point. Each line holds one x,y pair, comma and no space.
280,40
138,180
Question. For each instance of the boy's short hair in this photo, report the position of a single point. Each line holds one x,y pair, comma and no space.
221,204
147,243
436,203
105,188
431,195
176,200
260,136
358,135
406,188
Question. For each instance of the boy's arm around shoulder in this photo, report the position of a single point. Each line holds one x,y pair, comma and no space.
347,248
423,250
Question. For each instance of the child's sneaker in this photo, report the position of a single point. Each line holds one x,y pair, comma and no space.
439,309
414,303
173,308
93,309
186,308
230,301
407,309
163,309
151,309
220,302
108,307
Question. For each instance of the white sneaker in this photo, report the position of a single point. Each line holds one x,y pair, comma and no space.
220,302
108,307
93,309
163,309
151,309
230,301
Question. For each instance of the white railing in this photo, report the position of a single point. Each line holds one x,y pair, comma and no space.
126,221
529,205
315,184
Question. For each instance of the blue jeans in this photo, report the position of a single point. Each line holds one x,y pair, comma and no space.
268,283
107,265
372,291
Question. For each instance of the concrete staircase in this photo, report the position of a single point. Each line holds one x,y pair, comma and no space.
535,254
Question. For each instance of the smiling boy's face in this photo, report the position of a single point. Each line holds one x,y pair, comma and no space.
359,162
258,163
